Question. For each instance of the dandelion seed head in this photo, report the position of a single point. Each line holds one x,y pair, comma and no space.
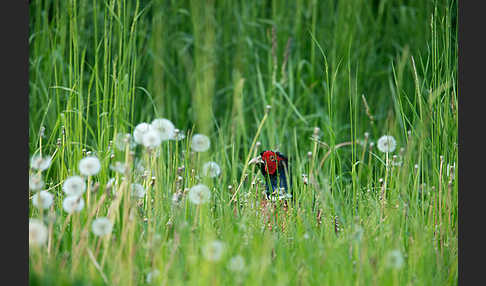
211,169
42,200
138,191
35,182
73,204
37,232
178,135
397,161
74,186
122,140
199,194
152,275
151,139
394,259
101,226
118,167
387,144
164,127
213,251
89,166
200,143
51,217
236,263
40,163
140,131
358,233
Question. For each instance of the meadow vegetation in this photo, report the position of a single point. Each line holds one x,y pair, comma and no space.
113,202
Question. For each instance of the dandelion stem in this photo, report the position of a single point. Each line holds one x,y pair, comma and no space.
106,246
98,244
440,203
50,236
63,229
88,191
93,259
171,258
84,235
383,190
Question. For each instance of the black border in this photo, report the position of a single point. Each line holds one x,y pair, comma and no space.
471,121
14,20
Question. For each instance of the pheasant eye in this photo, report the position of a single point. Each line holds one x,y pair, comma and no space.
272,158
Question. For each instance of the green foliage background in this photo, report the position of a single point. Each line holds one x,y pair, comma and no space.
98,68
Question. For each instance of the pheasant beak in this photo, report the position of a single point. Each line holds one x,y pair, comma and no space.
256,160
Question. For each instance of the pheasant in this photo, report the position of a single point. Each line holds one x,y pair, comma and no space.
276,171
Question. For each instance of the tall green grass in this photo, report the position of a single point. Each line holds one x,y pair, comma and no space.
98,68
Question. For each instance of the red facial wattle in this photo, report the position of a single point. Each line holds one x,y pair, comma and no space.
270,159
